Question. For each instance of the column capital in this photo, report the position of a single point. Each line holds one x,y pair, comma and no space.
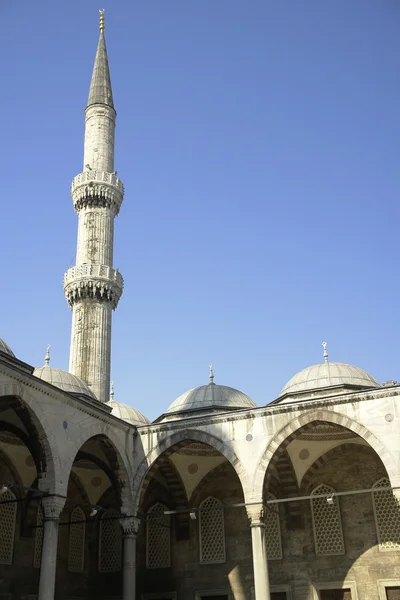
256,514
130,526
52,507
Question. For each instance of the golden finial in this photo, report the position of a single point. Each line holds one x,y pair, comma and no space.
101,11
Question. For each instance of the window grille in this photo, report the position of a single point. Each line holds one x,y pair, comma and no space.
158,538
327,524
110,543
37,555
273,539
387,517
76,550
212,532
8,515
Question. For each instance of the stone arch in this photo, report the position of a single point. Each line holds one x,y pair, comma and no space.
288,433
48,461
172,443
119,470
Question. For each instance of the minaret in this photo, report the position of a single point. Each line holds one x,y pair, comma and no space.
93,287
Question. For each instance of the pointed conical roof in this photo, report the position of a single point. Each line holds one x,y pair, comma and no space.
100,87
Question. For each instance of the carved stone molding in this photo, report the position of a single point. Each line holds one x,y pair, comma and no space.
97,188
98,282
256,514
130,526
52,507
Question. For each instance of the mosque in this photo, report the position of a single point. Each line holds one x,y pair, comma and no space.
217,499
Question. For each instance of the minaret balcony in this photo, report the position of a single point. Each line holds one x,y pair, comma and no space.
95,282
97,188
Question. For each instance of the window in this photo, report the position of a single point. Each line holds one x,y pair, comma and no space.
37,554
338,594
387,517
76,550
393,593
327,524
8,515
273,530
158,538
212,532
110,543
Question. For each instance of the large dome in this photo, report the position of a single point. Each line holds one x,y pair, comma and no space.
127,413
63,380
328,375
5,348
211,397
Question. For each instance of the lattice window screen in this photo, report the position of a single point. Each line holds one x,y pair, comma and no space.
273,539
37,554
110,543
327,523
8,515
212,532
76,550
387,517
158,538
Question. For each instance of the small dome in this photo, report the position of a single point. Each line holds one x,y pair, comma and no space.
63,380
210,397
326,375
5,348
127,413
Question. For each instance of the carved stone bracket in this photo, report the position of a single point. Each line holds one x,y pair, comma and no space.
97,188
256,514
52,507
99,282
130,526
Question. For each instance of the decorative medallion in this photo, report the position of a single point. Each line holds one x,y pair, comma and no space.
304,454
193,468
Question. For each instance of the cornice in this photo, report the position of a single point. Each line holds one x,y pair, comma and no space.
268,410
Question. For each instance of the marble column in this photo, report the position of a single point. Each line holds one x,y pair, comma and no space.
130,527
260,563
52,507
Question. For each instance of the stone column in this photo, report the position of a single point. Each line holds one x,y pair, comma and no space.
130,528
52,507
260,563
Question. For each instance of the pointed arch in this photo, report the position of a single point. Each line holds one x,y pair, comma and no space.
212,531
327,522
76,548
170,444
158,537
387,516
8,517
288,433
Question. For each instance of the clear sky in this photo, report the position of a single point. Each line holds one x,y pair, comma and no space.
258,142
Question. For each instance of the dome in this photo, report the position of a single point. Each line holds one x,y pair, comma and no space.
5,348
210,397
327,375
63,380
127,413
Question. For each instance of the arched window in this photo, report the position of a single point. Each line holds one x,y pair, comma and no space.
327,524
387,517
212,531
273,539
37,555
158,552
8,515
76,550
110,543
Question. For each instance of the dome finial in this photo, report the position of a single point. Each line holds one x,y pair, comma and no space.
47,357
324,345
111,391
211,374
101,11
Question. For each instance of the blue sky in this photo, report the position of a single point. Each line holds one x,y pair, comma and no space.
259,147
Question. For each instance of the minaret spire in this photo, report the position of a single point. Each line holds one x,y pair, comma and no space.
100,87
93,287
